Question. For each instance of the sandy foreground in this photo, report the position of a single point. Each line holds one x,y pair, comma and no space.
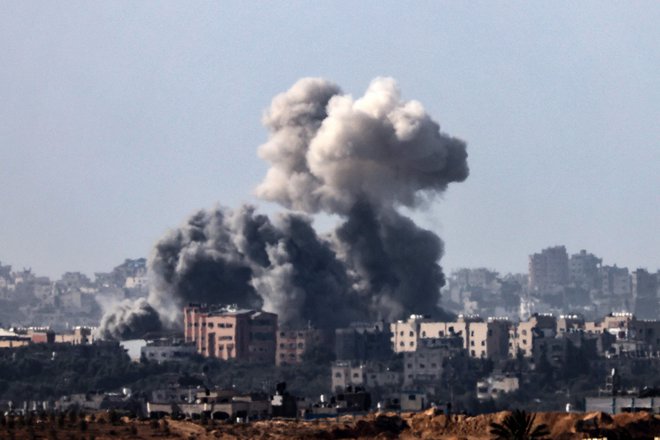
426,425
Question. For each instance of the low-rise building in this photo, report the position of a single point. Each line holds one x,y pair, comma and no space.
625,327
424,367
369,375
167,350
11,339
79,336
496,385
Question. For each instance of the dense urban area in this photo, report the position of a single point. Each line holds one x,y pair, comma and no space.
571,334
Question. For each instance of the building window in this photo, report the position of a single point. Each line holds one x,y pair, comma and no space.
412,333
483,343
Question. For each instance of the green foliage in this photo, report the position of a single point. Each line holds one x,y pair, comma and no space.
519,425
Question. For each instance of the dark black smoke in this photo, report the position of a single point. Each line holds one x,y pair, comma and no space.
358,159
397,261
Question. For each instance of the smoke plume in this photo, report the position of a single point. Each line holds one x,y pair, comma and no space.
360,159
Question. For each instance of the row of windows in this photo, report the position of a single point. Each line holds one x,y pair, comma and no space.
212,325
292,335
433,365
292,345
291,356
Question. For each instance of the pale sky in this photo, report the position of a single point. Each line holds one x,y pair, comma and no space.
119,119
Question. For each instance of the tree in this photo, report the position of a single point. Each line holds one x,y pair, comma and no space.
519,425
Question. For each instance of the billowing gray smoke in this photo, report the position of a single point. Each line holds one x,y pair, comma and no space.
358,159
129,320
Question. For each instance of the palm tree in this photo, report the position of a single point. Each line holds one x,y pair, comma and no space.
519,425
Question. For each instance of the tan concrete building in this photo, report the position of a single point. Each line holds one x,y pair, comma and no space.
521,336
406,333
424,367
79,336
292,344
10,339
490,339
482,339
570,323
231,333
626,327
370,375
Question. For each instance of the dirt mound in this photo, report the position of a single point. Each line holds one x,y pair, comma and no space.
408,426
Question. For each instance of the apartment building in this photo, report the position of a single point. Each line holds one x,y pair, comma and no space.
644,333
482,339
548,268
364,341
490,339
570,324
227,332
584,270
523,335
293,343
406,333
645,294
426,365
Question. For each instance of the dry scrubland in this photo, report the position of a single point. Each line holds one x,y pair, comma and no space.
427,425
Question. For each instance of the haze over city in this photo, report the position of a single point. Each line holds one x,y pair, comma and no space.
122,119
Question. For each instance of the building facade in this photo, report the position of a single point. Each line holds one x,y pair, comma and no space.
231,333
548,268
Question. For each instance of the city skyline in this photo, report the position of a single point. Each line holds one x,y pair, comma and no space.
120,120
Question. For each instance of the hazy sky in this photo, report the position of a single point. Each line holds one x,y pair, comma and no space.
118,119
